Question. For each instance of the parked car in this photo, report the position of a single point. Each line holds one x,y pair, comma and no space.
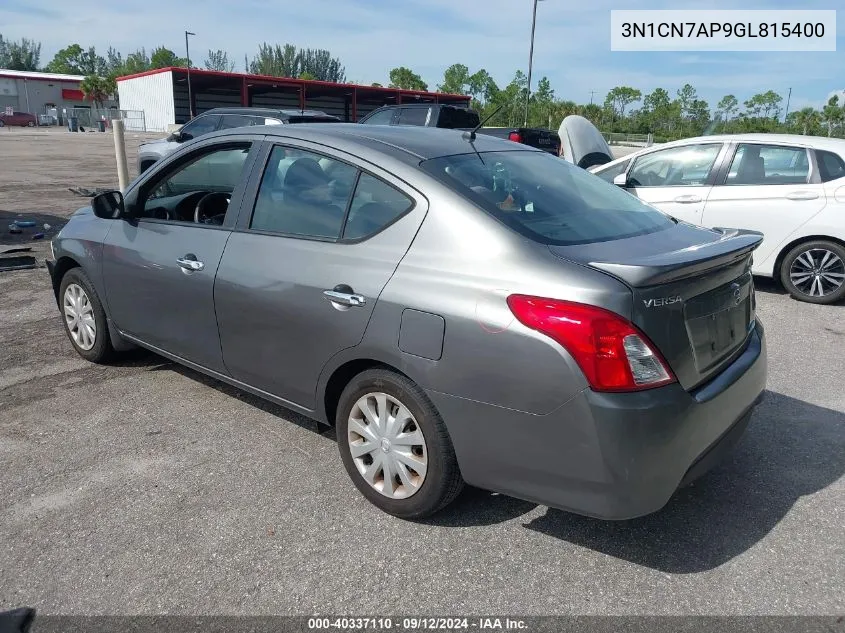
22,119
462,311
456,118
790,188
224,119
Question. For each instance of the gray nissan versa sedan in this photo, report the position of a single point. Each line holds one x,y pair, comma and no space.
462,309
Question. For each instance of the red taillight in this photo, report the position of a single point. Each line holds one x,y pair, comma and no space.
613,354
515,137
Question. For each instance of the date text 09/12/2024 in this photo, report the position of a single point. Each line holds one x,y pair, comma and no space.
416,624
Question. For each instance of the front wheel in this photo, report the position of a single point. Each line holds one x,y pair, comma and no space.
815,272
395,446
84,318
30,124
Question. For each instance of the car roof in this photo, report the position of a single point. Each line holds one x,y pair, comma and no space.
266,111
408,143
815,142
820,142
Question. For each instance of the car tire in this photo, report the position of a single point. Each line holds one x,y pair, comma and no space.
30,124
407,493
811,271
84,318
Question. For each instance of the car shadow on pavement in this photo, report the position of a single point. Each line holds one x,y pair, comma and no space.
790,450
288,415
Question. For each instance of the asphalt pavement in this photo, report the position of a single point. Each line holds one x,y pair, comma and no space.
146,488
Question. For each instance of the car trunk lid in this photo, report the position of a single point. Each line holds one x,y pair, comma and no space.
692,288
582,143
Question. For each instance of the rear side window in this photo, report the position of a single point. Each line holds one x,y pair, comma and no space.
374,205
545,198
831,166
768,165
457,118
414,116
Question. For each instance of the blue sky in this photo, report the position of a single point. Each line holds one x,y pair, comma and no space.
572,44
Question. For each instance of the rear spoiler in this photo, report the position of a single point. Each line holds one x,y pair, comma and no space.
649,270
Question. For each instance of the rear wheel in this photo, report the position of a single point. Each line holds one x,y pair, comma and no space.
815,272
30,124
84,317
395,446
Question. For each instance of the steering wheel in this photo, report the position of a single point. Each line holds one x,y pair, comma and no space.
204,213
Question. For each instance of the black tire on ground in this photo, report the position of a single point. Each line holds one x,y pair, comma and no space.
801,294
102,350
30,124
443,481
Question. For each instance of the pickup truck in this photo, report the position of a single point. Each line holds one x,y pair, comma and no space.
453,117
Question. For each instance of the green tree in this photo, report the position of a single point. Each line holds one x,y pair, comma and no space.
620,98
320,64
728,106
219,60
765,105
22,55
832,114
74,60
686,95
456,80
137,62
406,79
807,119
306,75
162,57
97,89
542,104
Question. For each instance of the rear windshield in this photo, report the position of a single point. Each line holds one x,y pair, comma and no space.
546,198
455,118
312,119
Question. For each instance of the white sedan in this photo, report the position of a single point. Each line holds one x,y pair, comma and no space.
790,188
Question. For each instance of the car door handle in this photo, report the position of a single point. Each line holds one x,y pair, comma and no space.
191,263
345,298
689,199
802,195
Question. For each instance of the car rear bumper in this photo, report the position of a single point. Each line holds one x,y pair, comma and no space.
608,455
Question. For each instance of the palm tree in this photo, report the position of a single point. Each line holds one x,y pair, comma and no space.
832,114
96,89
807,119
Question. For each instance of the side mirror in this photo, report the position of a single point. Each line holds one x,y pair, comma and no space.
176,137
620,180
108,205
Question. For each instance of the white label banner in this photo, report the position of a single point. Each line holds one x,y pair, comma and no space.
723,30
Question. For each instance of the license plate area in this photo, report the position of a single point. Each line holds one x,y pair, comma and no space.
718,322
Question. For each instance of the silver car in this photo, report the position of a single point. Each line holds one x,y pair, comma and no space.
462,309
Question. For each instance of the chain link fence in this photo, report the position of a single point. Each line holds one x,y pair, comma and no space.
88,118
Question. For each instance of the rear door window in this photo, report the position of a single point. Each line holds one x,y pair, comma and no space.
755,164
414,116
303,194
236,120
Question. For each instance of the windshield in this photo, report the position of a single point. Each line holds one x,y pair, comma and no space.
546,198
